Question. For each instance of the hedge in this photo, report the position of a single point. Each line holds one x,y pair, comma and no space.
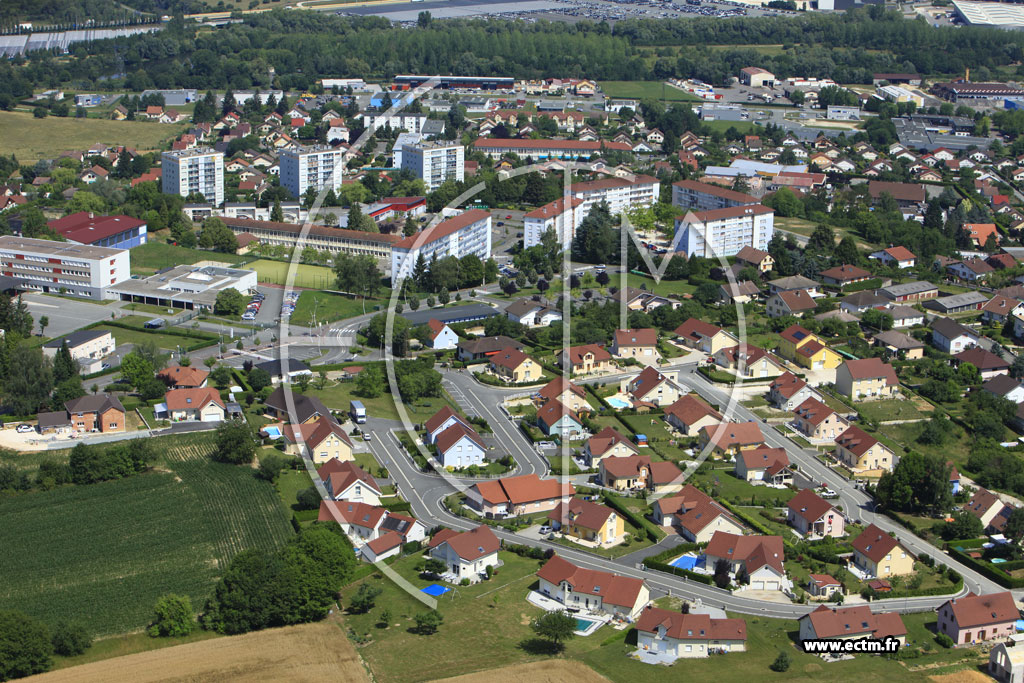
677,571
716,375
757,525
670,553
399,506
327,367
986,569
639,521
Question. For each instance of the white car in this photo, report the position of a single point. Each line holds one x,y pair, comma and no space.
546,529
25,428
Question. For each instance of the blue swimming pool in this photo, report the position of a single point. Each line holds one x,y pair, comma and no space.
684,562
997,560
273,430
584,624
435,590
617,403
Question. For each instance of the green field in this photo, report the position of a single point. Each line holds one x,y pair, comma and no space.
101,554
328,307
30,138
744,127
123,336
337,396
276,272
646,90
152,256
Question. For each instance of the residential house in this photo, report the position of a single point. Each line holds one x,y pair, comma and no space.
952,337
182,377
997,310
96,413
697,334
977,618
851,623
361,522
787,391
818,422
460,446
738,292
761,260
1006,387
989,364
905,316
877,554
1006,659
395,531
84,345
858,302
694,514
669,635
514,366
689,414
811,515
532,313
970,270
641,344
987,507
796,303
981,233
823,586
587,359
587,521
565,392
440,421
847,274
607,443
323,439
770,465
466,554
284,369
519,495
302,409
760,558
555,419
863,453
793,283
729,438
867,378
751,362
441,336
899,344
348,481
653,387
807,349
592,590
194,405
895,257
485,347
638,472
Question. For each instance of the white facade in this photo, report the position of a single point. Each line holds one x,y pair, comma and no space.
561,216
723,232
199,169
76,269
435,162
462,453
316,167
412,123
620,194
467,233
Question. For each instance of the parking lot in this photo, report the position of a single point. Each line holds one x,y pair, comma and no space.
66,315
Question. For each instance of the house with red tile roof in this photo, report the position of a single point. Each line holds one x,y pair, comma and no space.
638,472
977,618
653,387
796,302
440,421
823,586
704,336
460,446
770,465
787,391
843,275
980,233
818,422
669,635
863,453
749,361
323,439
896,257
641,344
361,522
194,405
587,521
564,391
760,558
849,623
877,554
591,589
729,438
586,359
519,495
514,366
182,377
607,443
441,336
345,480
811,515
466,554
690,413
867,379
695,514
556,419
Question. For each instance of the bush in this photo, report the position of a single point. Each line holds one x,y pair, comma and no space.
271,465
70,639
25,646
308,499
427,622
944,640
781,663
172,616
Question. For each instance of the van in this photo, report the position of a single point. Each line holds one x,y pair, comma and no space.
357,411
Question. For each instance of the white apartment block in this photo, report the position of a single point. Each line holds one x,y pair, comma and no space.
435,162
621,194
76,269
317,167
561,216
401,141
691,194
723,232
199,169
467,233
412,123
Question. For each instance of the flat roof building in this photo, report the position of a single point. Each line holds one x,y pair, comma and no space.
186,287
76,269
467,233
197,170
723,232
116,232
311,167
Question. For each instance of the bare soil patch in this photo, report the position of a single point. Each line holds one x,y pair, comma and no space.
547,671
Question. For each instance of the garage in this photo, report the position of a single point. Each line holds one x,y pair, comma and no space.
757,585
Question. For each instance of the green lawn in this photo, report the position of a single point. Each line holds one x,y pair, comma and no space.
164,341
744,127
277,272
101,554
153,256
890,409
664,288
329,307
727,486
338,395
646,90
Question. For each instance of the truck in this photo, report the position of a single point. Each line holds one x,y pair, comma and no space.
357,411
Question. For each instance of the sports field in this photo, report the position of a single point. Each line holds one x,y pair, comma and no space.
102,554
276,273
153,256
31,139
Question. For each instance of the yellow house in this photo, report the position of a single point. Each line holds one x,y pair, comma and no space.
514,366
807,349
586,521
877,553
863,453
867,379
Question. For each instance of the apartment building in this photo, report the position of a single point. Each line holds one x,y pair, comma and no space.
564,217
200,169
412,123
723,232
467,233
698,196
621,194
76,269
435,161
496,148
316,167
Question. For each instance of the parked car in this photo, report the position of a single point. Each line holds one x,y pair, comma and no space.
546,529
24,427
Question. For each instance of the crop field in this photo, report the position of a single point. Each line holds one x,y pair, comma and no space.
101,554
31,139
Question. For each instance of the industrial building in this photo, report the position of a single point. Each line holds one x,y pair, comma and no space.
999,14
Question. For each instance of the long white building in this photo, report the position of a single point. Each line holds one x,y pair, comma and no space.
317,167
76,269
564,217
200,169
691,194
467,233
723,232
435,162
621,194
412,123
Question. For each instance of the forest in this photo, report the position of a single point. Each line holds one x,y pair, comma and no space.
292,50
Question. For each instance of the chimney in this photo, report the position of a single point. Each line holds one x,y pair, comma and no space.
91,215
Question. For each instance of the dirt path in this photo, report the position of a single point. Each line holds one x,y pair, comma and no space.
548,671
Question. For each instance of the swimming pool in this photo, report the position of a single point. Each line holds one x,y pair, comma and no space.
273,430
997,560
684,562
617,403
585,627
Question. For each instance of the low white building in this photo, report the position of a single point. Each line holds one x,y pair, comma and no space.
75,269
592,590
84,345
669,635
466,554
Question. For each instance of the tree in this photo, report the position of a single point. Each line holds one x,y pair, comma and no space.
363,601
434,566
308,499
44,322
235,443
64,366
722,569
70,639
259,378
135,369
423,19
302,381
1014,528
270,466
25,646
964,525
277,213
781,663
26,390
427,622
217,236
229,301
221,376
557,626
370,382
919,482
172,616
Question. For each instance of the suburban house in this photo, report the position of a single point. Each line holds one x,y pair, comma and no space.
460,446
987,507
587,521
182,377
653,387
593,590
793,283
441,336
1006,660
952,337
697,334
96,413
747,360
1006,387
440,421
306,408
348,481
520,495
638,472
695,514
846,623
795,302
194,405
284,369
670,635
811,515
532,313
818,422
729,438
514,366
989,365
867,378
895,257
641,344
899,344
586,360
556,419
361,522
998,309
807,349
689,414
324,440
607,443
863,453
905,316
759,557
466,554
564,391
84,345
395,531
977,618
485,347
878,554
765,464
823,586
761,260
738,292
787,391
843,275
